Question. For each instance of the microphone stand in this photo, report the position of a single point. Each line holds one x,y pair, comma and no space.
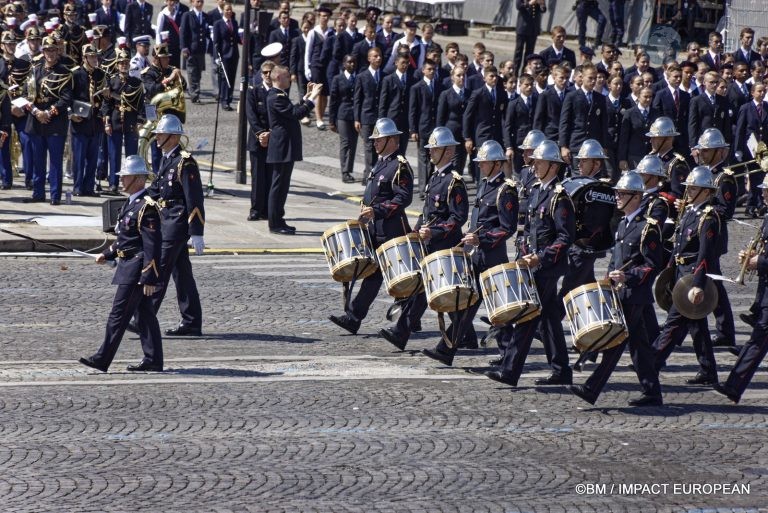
210,188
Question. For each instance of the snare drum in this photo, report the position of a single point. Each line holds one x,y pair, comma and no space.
349,252
510,293
400,262
448,280
595,317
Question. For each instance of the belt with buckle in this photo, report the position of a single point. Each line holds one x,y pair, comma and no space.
168,203
126,255
679,260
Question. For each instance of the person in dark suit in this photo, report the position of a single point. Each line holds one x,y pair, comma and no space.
637,258
169,21
285,142
528,28
589,9
615,114
226,43
366,105
347,39
215,15
107,15
137,276
387,37
642,65
558,51
745,53
422,118
284,35
674,104
293,24
360,49
518,120
341,116
394,99
450,114
194,39
258,141
633,143
752,119
298,49
550,104
138,20
713,56
332,66
584,116
484,116
738,90
709,110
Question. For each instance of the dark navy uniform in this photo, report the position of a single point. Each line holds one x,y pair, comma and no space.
494,217
677,170
122,111
756,347
389,191
725,204
526,182
86,131
696,251
261,172
656,207
137,250
550,231
638,246
446,209
14,71
179,192
54,94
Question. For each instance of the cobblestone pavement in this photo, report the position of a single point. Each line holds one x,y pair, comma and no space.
275,410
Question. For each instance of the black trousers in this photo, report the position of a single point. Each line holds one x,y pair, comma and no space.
229,67
130,299
751,355
425,165
370,154
195,68
459,159
651,323
676,327
347,145
261,182
174,262
639,349
724,323
581,270
278,193
524,46
366,294
552,312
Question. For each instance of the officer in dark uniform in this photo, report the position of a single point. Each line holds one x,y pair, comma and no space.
712,152
526,180
696,251
388,193
550,230
47,126
445,211
156,79
528,29
102,40
14,72
589,9
662,134
122,111
753,352
73,33
494,217
137,251
636,259
89,82
179,192
258,140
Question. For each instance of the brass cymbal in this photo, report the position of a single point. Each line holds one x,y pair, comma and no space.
684,305
662,289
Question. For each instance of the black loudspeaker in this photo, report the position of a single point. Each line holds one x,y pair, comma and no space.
110,210
265,18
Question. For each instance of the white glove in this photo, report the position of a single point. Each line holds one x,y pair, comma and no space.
198,244
217,61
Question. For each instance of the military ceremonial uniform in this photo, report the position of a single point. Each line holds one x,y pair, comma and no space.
122,110
494,218
74,36
152,78
179,193
654,206
638,246
725,204
107,62
696,251
86,131
525,187
137,251
17,71
54,94
261,172
677,170
389,191
446,209
550,230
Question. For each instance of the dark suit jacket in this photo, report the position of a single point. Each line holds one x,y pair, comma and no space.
109,20
703,115
567,55
292,24
422,109
193,35
226,41
738,56
256,112
138,22
580,121
393,100
215,15
615,115
664,104
298,48
344,45
631,72
394,36
708,59
277,36
518,121
547,115
341,104
360,51
450,111
483,118
529,19
736,98
366,97
285,138
748,123
174,38
633,144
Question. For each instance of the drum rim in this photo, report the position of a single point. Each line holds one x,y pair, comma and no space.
336,228
371,261
527,317
597,285
443,253
624,335
518,264
391,243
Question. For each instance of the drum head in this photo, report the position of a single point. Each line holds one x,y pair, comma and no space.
600,337
446,299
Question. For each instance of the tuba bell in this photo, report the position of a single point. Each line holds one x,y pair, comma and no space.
172,99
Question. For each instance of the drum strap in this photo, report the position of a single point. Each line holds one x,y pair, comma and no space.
451,341
595,347
348,286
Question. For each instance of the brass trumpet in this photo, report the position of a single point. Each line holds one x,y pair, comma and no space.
761,158
755,247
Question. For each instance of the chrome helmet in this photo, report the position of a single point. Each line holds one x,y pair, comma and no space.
169,124
591,149
651,165
533,139
440,138
630,181
712,138
490,151
547,150
662,127
133,165
700,176
384,127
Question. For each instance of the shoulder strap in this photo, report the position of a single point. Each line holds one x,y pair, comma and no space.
559,191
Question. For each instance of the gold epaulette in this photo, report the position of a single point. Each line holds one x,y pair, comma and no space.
728,171
75,68
456,180
402,159
678,156
37,58
652,221
559,188
148,202
281,93
509,182
559,191
650,224
145,70
403,163
185,154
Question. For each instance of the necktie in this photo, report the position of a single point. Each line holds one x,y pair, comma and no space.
562,96
616,104
528,103
461,94
717,62
370,44
712,99
677,100
229,25
744,89
493,96
759,112
431,87
388,39
285,33
200,19
352,79
589,99
376,76
402,79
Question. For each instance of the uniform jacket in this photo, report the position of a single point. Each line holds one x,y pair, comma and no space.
696,248
547,115
450,111
664,104
81,80
655,207
633,144
138,21
137,248
109,19
366,97
128,119
551,228
344,45
226,41
389,191
285,139
738,56
341,104
277,36
580,120
529,18
422,111
298,48
703,114
256,112
495,215
195,36
61,79
615,115
567,55
518,120
360,51
748,122
638,242
394,98
446,209
179,191
483,118
151,77
724,202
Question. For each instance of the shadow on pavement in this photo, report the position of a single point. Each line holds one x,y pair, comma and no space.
255,337
207,371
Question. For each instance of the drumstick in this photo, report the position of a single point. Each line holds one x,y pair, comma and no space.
468,233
